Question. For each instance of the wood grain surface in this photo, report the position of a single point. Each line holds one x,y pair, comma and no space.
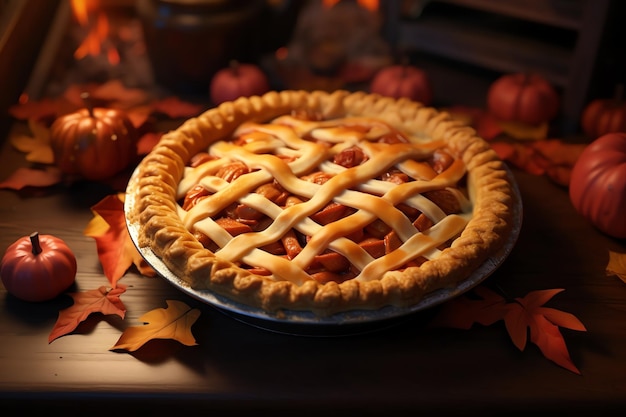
402,367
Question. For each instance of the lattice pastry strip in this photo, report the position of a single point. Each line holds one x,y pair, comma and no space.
355,187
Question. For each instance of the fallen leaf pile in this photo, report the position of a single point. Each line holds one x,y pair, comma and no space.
524,146
141,108
521,316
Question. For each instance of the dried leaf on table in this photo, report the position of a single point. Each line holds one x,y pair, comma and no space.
485,124
46,108
463,312
173,322
528,313
36,147
617,265
520,316
174,107
139,115
101,300
551,157
520,155
119,96
116,250
32,177
523,131
147,142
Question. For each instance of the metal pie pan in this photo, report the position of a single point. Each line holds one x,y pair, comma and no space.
342,323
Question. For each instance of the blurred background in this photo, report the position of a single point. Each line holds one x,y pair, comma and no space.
177,46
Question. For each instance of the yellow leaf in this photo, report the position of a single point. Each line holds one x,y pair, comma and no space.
523,131
97,226
37,147
173,322
617,265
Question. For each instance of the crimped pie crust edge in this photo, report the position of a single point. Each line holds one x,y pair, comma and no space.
155,210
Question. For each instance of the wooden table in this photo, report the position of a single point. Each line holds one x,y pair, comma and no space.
238,369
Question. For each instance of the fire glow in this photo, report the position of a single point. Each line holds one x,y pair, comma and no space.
97,41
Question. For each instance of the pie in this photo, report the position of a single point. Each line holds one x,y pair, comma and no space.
322,202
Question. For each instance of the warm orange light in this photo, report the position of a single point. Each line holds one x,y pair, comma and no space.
371,5
80,9
97,38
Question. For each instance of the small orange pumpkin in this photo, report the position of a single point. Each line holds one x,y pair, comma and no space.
602,116
95,143
597,187
403,80
523,97
237,80
38,268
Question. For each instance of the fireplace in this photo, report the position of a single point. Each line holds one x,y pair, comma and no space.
40,39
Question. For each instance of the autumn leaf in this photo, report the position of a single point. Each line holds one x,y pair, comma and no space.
524,131
617,265
485,124
147,142
36,110
32,177
520,316
36,147
173,322
117,95
463,312
551,157
116,250
528,313
175,107
101,300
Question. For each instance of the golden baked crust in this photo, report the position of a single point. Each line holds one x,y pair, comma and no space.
164,227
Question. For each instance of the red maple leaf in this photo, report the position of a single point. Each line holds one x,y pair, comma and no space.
101,300
520,316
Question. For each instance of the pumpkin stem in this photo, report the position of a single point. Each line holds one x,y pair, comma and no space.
234,67
34,240
88,103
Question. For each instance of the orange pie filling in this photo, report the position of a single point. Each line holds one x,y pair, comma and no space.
300,199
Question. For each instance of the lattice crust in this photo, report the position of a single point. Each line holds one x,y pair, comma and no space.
240,201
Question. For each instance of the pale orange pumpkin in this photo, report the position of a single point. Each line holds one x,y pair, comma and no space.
38,267
94,143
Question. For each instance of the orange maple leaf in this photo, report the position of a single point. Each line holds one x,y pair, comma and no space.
617,265
173,322
101,300
519,316
463,312
116,250
175,107
528,313
36,147
32,177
